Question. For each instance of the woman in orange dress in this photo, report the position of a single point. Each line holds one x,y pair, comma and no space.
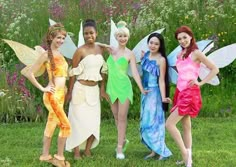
54,94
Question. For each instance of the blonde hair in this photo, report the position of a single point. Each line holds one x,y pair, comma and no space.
122,29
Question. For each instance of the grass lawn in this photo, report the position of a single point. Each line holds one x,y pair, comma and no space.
213,145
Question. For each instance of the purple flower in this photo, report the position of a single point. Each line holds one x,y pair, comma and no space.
39,109
56,10
136,6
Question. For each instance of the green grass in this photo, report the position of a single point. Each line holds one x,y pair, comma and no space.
213,145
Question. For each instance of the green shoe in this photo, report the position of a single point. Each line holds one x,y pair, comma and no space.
126,145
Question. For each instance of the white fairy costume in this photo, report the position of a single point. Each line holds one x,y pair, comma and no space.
85,108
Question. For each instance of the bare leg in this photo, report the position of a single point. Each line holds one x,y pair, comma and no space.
77,153
187,134
61,141
171,122
46,146
114,109
151,155
89,143
122,124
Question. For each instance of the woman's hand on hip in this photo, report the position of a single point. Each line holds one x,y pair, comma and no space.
49,89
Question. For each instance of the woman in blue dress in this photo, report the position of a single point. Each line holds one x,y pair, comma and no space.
155,79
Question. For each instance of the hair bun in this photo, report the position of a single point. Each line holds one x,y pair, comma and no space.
90,21
121,24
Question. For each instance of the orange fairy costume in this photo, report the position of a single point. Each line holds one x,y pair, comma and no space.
54,102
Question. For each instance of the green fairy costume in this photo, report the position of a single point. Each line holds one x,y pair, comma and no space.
118,84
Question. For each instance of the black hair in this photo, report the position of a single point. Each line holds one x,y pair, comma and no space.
90,23
162,51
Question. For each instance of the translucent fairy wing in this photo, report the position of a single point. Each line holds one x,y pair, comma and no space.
142,45
39,49
204,71
221,58
51,22
173,75
172,57
81,37
113,41
139,68
27,55
68,48
37,73
204,46
24,53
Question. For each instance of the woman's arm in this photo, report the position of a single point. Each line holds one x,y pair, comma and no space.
203,59
29,73
105,47
162,78
162,84
135,73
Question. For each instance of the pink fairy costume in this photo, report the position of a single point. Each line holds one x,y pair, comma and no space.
187,98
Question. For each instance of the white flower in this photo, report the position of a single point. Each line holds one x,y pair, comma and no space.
2,94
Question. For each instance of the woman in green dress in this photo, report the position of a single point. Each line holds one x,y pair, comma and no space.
119,87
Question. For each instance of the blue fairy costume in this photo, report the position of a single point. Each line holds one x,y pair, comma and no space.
152,118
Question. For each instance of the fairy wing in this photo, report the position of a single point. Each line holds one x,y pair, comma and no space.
204,46
113,41
81,37
68,48
27,55
173,75
142,45
204,71
221,58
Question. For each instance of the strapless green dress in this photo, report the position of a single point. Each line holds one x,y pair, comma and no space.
118,84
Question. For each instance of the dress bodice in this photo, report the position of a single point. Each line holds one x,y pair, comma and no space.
61,67
118,84
89,68
187,70
151,71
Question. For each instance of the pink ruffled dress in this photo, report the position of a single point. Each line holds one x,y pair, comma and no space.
187,98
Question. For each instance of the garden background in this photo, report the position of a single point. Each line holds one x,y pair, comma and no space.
26,21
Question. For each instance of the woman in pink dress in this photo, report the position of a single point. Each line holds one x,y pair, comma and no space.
187,98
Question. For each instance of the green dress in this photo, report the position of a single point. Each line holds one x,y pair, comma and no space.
118,84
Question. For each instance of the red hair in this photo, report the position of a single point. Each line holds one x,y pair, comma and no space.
193,45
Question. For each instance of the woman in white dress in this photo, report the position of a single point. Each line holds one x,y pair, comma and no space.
83,93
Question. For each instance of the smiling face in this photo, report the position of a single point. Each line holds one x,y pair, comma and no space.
184,39
90,34
154,45
58,40
122,38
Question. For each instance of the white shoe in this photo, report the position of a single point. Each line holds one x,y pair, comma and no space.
120,156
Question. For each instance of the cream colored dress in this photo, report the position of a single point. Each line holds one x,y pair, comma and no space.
85,109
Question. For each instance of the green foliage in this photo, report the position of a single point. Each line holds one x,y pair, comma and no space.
16,102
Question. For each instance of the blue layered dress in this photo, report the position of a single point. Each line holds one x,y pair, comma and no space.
152,118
